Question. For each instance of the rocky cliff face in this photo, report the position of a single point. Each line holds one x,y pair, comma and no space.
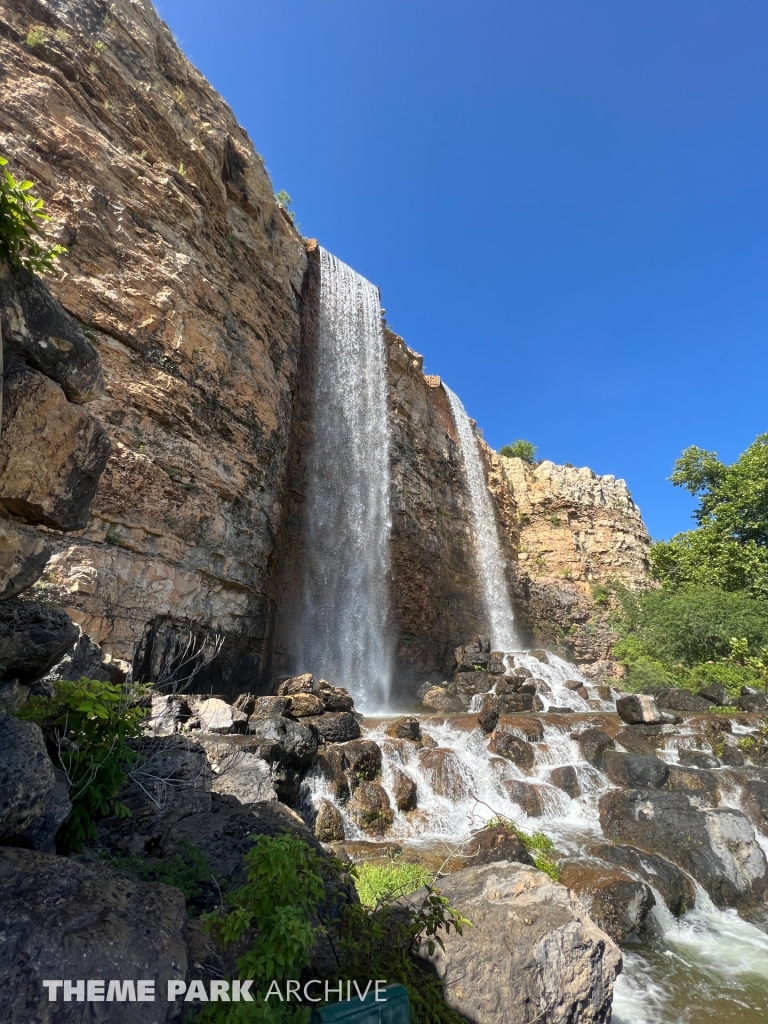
187,277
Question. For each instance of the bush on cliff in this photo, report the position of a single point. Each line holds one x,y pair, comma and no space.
519,449
20,217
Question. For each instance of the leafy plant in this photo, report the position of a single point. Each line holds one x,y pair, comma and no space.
35,37
379,883
519,449
285,201
188,871
600,595
537,843
87,726
20,214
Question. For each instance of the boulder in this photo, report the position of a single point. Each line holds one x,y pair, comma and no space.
26,776
216,716
682,701
329,824
531,952
715,693
439,699
527,795
404,791
565,778
488,719
270,707
33,637
754,703
494,843
644,739
637,708
87,659
53,453
424,689
64,919
24,554
242,774
38,328
404,729
573,684
730,753
41,834
370,808
496,665
361,758
245,702
698,759
296,684
517,703
334,698
539,655
694,781
676,888
471,655
305,705
330,764
506,744
617,903
283,741
337,727
444,772
635,769
593,743
474,682
715,845
755,802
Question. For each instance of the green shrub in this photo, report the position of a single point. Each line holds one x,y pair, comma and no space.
285,201
87,725
379,883
519,449
188,871
537,843
20,214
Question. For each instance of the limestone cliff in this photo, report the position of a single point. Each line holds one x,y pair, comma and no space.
187,276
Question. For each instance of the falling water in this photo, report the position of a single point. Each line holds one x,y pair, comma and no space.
491,563
342,629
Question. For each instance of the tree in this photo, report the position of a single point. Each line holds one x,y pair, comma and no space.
519,449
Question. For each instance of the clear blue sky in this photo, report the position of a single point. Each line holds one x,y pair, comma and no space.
563,202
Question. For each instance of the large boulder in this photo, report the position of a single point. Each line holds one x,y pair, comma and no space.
33,637
532,951
26,776
336,727
283,741
66,920
696,781
753,703
296,684
329,824
682,701
637,708
635,769
494,843
566,778
305,705
334,698
24,554
370,807
527,795
404,791
506,744
52,454
698,759
593,744
675,886
617,903
361,758
444,771
439,699
38,328
41,834
716,845
244,775
86,658
404,729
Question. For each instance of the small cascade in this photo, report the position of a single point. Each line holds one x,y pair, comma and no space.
341,633
491,568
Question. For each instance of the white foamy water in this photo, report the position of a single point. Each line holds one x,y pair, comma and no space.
490,562
341,633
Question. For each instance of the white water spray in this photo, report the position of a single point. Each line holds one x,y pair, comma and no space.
490,560
342,629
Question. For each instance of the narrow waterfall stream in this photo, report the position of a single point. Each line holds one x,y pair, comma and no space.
341,632
489,557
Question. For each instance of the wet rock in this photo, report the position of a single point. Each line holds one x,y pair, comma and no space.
617,903
362,758
573,684
424,689
496,843
41,834
516,703
756,703
23,556
526,795
698,759
370,808
676,888
682,701
496,665
488,719
37,328
296,684
540,655
554,956
753,783
593,743
404,791
336,727
329,824
645,739
731,754
636,708
334,698
565,778
634,769
715,845
438,699
33,637
53,453
693,780
506,744
715,693
404,729
26,775
283,741
243,775
270,707
63,919
553,709
444,772
305,705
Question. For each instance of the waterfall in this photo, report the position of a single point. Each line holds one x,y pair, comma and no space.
342,628
490,560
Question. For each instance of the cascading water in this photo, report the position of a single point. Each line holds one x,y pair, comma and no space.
342,629
490,561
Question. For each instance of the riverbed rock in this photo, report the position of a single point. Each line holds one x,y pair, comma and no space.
694,781
26,776
63,919
404,791
296,684
495,843
270,707
33,637
216,716
676,887
616,902
716,845
517,703
593,743
635,708
444,772
361,758
336,727
527,795
556,962
698,758
305,705
53,452
370,808
754,703
488,719
506,744
329,824
23,556
404,729
282,740
334,698
682,701
439,699
634,769
330,764
715,693
566,778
